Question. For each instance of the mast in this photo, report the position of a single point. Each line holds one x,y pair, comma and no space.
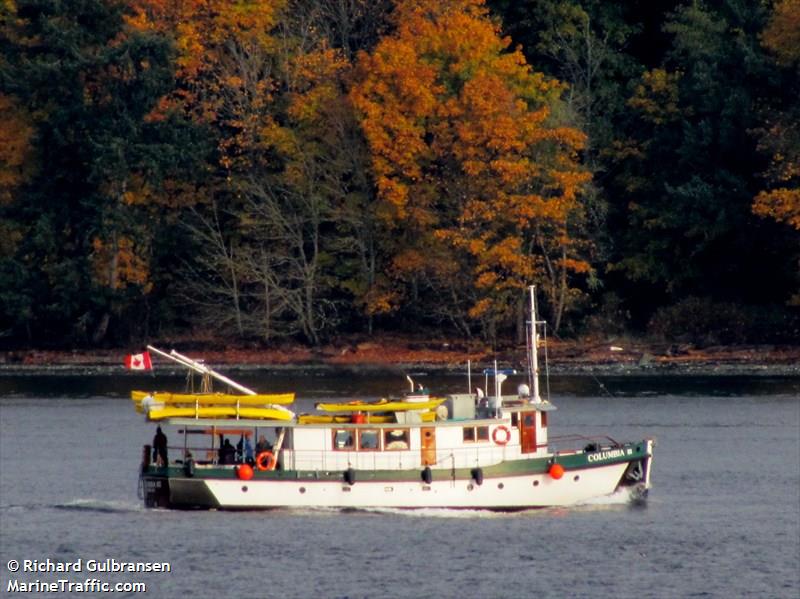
534,352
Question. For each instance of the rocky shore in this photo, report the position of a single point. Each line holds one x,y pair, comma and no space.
613,357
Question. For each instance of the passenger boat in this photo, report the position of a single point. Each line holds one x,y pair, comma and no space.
473,450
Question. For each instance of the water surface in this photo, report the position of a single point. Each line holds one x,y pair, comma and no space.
723,518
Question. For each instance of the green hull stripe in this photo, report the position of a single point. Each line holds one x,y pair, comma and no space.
628,452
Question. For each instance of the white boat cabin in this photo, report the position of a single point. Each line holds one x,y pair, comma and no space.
518,430
462,436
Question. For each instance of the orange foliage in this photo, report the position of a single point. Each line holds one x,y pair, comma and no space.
203,27
117,265
223,78
466,158
16,131
782,34
231,69
782,138
782,204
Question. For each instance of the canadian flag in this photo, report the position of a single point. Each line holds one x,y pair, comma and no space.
138,361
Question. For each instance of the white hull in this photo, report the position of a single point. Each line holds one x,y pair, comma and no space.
511,492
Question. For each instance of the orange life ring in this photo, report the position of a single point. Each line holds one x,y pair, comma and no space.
506,435
266,461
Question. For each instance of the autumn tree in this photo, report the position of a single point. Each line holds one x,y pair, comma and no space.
87,83
781,137
478,186
273,229
685,166
585,44
16,130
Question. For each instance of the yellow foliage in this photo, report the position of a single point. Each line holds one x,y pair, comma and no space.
656,97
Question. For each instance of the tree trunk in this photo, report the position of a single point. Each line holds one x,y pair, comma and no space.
113,278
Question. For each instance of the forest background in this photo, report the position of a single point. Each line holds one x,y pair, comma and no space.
301,171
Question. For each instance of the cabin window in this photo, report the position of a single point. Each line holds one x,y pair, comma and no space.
544,419
343,439
476,433
515,419
396,439
369,440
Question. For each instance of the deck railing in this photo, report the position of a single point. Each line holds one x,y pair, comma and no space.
454,457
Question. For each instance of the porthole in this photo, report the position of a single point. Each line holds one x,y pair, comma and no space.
302,490
244,489
577,478
500,485
470,487
536,483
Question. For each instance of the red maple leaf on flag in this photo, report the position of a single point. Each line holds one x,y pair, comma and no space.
138,361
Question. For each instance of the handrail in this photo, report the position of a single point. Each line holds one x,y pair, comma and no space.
567,438
448,458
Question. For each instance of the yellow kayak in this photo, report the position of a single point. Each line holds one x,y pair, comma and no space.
212,399
383,405
346,418
218,412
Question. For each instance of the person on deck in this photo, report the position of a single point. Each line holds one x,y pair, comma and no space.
262,445
227,453
248,451
160,448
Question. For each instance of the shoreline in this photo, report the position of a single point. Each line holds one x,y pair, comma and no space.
709,371
393,355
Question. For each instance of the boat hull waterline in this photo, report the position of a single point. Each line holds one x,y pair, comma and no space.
509,486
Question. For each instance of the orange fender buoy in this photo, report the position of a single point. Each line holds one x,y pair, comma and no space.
244,471
556,471
265,461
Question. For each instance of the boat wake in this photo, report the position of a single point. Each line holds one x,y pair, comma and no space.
448,513
97,505
622,497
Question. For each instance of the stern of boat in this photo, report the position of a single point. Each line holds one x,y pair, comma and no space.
153,485
155,492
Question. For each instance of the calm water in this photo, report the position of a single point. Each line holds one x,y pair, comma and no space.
723,519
